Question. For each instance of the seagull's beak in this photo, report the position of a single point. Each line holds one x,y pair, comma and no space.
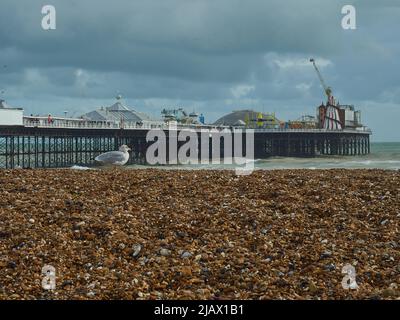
129,149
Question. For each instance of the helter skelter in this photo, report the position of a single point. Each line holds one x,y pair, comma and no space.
331,119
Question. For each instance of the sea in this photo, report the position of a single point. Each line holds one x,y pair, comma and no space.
384,155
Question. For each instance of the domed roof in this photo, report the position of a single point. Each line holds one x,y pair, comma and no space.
247,117
116,112
231,118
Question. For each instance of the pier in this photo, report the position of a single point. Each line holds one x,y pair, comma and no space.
38,144
311,143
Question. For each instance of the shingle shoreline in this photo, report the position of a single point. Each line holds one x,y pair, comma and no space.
173,234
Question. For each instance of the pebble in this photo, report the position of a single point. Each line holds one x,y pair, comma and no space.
80,224
137,248
186,255
330,267
312,288
66,283
165,252
384,222
326,254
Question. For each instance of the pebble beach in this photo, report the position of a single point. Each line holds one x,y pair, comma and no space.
203,234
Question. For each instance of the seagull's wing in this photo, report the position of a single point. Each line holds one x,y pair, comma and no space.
111,157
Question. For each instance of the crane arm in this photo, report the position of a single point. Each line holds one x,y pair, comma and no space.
327,89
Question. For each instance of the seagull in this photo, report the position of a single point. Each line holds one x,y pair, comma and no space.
115,158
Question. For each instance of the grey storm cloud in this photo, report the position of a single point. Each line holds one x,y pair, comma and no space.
213,56
196,40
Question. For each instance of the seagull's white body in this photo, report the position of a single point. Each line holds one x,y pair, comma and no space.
115,158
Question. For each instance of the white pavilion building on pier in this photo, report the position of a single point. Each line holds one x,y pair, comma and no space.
118,113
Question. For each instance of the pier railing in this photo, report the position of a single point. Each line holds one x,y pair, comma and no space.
68,123
73,123
349,130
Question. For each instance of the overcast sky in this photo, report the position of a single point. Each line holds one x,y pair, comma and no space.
209,56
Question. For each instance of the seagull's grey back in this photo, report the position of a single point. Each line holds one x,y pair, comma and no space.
113,157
